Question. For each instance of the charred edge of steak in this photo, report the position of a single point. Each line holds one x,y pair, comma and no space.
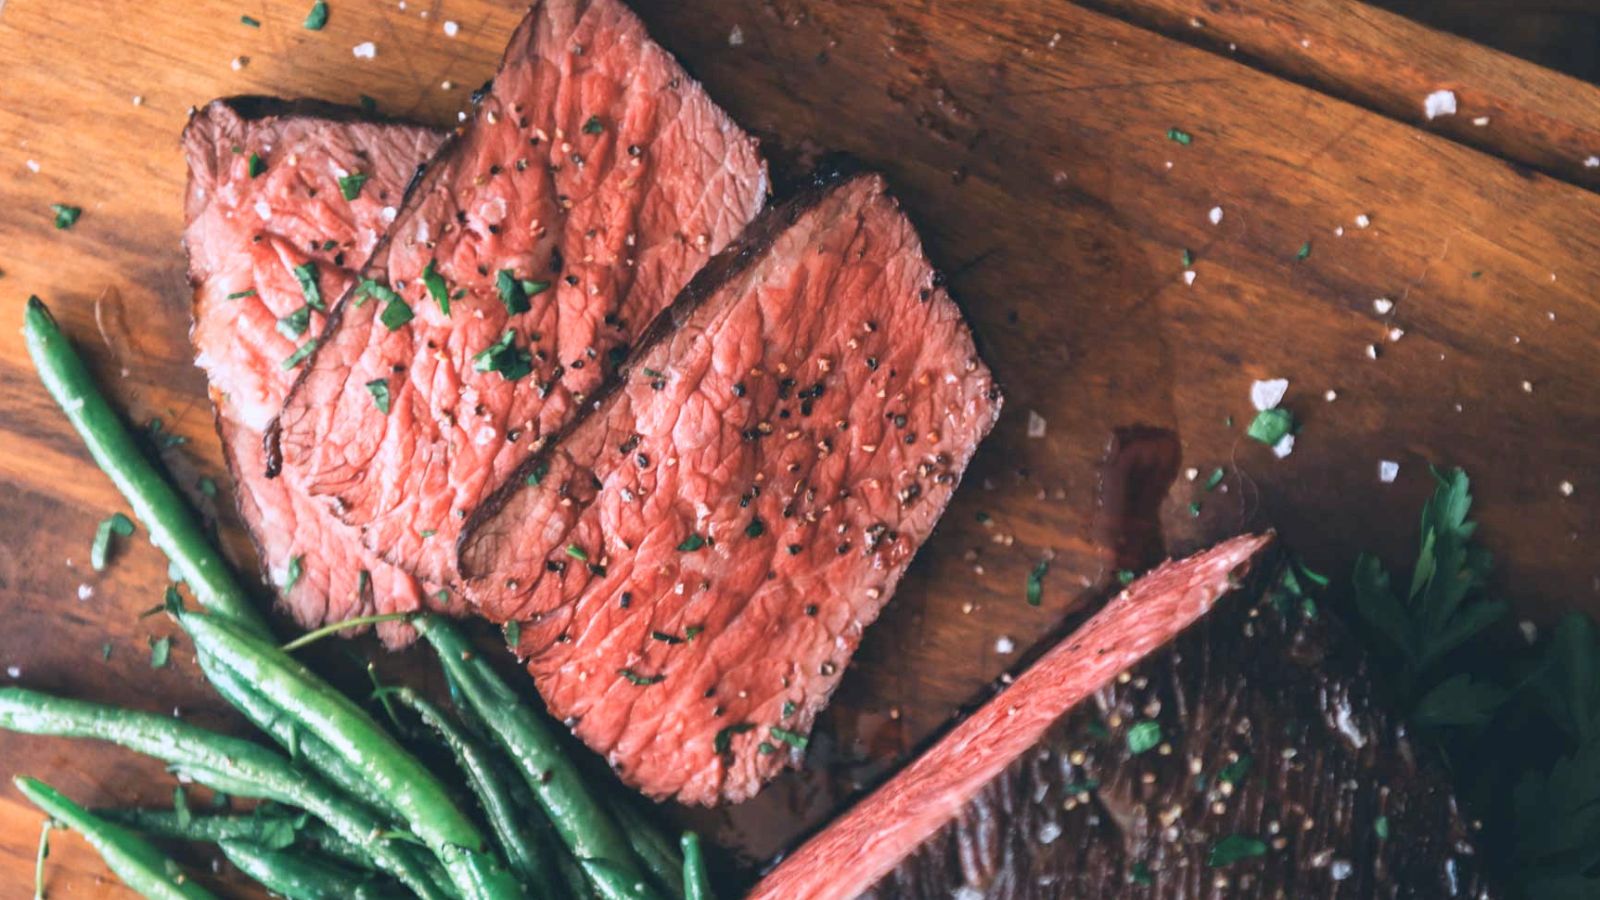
734,259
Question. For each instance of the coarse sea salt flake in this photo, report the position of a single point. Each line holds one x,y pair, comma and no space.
1004,645
1188,276
365,50
1383,306
1284,446
1269,393
1440,103
451,28
1215,215
1036,424
1388,470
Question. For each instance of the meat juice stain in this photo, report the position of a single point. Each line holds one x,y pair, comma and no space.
1137,472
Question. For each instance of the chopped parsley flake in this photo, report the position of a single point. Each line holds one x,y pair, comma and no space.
643,680
306,274
116,523
1188,258
250,21
766,749
1194,509
240,295
577,553
66,216
692,543
1035,585
593,126
1271,425
318,16
299,356
350,185
256,165
395,313
538,473
368,104
294,573
379,389
723,742
788,708
514,292
1144,736
665,638
692,632
436,288
1380,827
1233,848
208,487
1180,136
1140,874
513,633
1234,771
1125,577
1304,251
295,324
1215,479
755,529
368,288
160,652
792,738
505,357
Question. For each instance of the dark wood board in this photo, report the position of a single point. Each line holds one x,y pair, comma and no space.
1029,140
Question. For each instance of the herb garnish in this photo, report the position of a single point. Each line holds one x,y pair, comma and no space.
1232,772
723,742
368,288
538,473
1380,827
1125,577
755,529
295,324
116,523
160,651
643,680
692,543
156,431
395,313
514,292
436,287
207,486
513,633
250,21
318,16
350,185
1144,736
1180,136
1215,479
293,574
66,216
1188,258
792,738
1035,585
306,274
299,356
577,553
255,166
379,389
1271,425
1140,873
240,295
1304,251
1233,848
368,104
593,126
505,357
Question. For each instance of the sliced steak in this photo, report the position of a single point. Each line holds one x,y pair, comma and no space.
264,200
594,179
1175,746
695,560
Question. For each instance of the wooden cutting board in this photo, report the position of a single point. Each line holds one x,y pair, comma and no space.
1031,142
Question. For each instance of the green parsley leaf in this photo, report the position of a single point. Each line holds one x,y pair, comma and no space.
368,288
723,741
1140,873
256,166
295,324
643,680
293,575
513,633
160,437
105,652
428,532
1234,771
240,295
207,486
395,313
116,523
577,553
1233,848
665,638
350,185
160,651
505,357
1035,585
66,216
755,529
369,105
537,475
1194,509
299,356
692,543
250,21
1188,258
792,738
1144,736
766,749
692,632
379,389
1380,827
788,708
318,16
1125,577
1270,425
1304,251
1180,136
1214,480
593,126
436,287
306,274
514,293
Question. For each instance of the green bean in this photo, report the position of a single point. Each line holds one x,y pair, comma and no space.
139,865
660,857
155,502
268,826
581,820
351,733
696,883
483,776
302,745
223,763
301,876
613,882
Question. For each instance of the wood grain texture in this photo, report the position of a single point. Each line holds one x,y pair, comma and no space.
1029,141
1388,63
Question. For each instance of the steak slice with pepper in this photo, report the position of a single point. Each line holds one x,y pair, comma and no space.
593,180
284,199
1177,745
695,560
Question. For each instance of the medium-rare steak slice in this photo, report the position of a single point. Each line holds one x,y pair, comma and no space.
282,196
695,560
594,179
1176,745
